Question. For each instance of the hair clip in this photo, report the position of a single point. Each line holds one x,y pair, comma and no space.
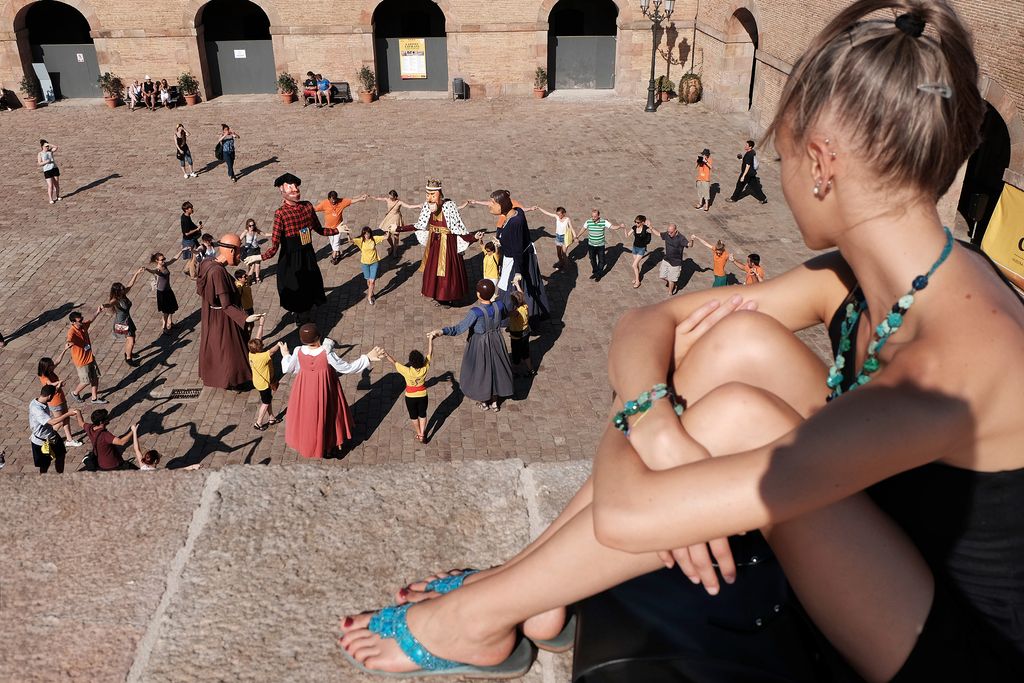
940,89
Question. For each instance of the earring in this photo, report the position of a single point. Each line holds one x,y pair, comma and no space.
817,189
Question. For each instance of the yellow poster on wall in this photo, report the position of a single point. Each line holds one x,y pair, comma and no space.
413,57
1004,237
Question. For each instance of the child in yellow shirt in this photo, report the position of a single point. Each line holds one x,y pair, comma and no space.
519,330
415,374
263,377
368,258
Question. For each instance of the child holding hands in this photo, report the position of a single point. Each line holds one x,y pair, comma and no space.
415,374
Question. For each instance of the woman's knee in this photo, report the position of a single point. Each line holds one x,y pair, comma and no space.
754,349
736,417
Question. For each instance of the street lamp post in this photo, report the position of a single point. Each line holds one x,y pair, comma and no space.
656,15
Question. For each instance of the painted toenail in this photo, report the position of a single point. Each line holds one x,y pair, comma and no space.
348,622
403,592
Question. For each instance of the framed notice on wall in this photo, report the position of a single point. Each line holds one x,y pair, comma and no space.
413,53
1004,237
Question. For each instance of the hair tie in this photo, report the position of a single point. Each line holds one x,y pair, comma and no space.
910,23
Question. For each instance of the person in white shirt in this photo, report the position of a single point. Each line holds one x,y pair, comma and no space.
319,421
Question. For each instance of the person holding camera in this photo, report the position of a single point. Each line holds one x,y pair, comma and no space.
748,182
704,166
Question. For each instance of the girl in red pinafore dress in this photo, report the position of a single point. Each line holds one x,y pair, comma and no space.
318,417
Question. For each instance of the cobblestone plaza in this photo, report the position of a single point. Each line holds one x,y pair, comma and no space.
123,191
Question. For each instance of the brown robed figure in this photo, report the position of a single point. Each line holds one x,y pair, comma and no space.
223,355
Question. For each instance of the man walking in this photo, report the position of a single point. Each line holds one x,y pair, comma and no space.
748,182
594,229
672,264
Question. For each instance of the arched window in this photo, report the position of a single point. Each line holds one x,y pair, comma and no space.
235,45
403,61
581,44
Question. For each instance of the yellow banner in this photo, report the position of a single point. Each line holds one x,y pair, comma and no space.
413,57
1004,237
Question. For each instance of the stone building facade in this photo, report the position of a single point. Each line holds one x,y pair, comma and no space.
744,49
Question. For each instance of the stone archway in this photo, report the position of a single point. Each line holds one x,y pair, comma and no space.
582,41
397,20
55,44
735,80
236,51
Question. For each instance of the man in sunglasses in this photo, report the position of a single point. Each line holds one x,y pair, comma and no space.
223,354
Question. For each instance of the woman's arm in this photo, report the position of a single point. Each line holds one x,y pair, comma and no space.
131,282
701,240
127,436
868,436
430,347
135,443
410,206
63,352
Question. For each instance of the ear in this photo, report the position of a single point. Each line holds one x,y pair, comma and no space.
821,155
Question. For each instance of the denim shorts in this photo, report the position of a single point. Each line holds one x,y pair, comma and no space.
370,270
639,251
187,159
560,240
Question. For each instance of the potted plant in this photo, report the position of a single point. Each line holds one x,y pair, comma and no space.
287,87
189,87
665,87
540,82
367,83
112,88
690,88
30,91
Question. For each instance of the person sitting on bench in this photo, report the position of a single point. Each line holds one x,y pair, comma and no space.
323,91
308,88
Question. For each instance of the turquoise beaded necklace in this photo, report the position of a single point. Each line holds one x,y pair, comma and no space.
883,331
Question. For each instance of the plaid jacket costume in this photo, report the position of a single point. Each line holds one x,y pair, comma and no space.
299,283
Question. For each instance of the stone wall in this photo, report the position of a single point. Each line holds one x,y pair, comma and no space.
495,46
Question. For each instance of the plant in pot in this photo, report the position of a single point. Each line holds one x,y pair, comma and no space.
665,87
189,87
367,85
540,82
30,91
690,88
112,88
287,87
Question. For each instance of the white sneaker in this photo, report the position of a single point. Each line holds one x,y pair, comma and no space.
74,443
191,175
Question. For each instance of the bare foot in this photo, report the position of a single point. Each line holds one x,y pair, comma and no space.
442,630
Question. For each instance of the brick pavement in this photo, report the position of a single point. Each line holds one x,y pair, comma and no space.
124,192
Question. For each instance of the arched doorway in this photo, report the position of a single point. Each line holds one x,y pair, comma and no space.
411,46
739,67
63,55
235,47
581,44
983,180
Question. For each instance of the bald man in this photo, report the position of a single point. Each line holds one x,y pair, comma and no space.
223,357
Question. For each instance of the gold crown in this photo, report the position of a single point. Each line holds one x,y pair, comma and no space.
433,184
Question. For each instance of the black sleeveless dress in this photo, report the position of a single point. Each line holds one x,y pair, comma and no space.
969,528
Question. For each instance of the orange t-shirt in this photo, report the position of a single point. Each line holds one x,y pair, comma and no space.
81,345
704,172
720,262
752,274
59,398
333,213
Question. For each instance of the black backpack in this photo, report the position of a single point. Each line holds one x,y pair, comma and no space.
218,151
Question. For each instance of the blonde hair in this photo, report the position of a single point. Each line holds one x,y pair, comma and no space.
905,87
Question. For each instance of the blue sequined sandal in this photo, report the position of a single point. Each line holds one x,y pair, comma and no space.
390,623
447,584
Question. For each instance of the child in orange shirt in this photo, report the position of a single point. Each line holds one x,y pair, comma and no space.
720,257
753,269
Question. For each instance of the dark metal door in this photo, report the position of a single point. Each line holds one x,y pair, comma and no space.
241,66
582,62
389,66
73,69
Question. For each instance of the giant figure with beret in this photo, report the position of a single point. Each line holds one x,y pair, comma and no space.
299,282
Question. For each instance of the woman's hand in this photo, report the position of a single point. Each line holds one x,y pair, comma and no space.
375,354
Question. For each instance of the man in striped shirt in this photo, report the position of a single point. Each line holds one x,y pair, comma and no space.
594,230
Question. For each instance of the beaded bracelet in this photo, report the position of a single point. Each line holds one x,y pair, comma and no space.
643,403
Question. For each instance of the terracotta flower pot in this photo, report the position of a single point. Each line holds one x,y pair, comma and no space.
29,102
366,97
110,101
286,97
539,93
665,96
190,100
